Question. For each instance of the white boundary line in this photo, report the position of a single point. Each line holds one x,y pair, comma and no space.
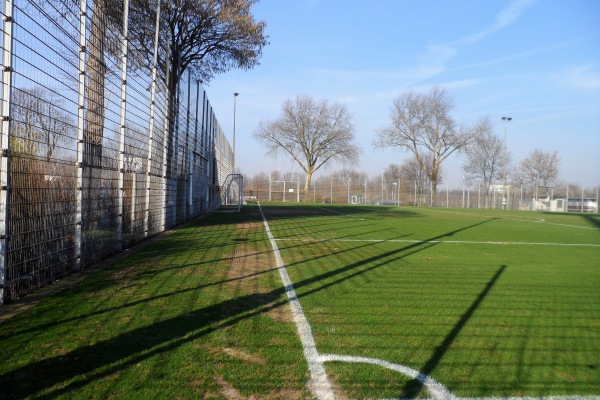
435,388
443,241
565,397
532,219
320,385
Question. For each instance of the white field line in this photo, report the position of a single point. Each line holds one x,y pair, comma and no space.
435,388
320,384
536,220
345,215
441,241
565,397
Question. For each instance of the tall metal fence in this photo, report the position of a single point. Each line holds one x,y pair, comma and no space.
90,161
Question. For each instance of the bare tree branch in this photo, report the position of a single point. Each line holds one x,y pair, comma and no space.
312,133
539,169
422,124
485,160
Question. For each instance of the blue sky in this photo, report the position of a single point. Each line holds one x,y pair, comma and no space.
537,61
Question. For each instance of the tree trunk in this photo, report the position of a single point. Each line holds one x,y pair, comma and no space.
94,117
307,186
172,111
433,179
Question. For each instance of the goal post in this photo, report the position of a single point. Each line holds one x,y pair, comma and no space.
230,196
284,191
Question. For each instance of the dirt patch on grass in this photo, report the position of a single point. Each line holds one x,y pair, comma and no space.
242,355
249,265
125,273
281,314
227,390
230,393
290,394
250,259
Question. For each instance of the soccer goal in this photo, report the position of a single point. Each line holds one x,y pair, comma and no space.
229,196
284,191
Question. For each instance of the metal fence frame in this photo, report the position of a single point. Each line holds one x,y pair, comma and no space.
340,189
89,163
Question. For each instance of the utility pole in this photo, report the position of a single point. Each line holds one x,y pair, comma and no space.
504,205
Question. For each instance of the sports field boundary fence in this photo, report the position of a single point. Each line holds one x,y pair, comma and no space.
96,153
362,190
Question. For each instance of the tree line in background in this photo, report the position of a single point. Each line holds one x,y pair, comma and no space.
316,133
393,187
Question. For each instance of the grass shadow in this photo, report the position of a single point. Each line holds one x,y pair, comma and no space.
414,386
59,375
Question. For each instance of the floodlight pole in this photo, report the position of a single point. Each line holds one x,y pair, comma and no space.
504,205
381,190
235,95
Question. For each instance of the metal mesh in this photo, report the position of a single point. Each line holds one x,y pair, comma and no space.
88,166
360,189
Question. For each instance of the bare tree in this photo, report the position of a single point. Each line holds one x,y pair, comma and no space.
412,174
41,124
422,124
313,133
539,169
485,161
392,173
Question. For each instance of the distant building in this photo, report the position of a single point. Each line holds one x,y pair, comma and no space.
565,204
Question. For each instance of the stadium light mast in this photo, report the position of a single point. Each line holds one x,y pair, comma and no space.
381,189
504,204
235,95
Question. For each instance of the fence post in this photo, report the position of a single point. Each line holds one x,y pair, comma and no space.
165,142
187,191
121,192
77,262
133,225
151,124
191,182
195,150
7,78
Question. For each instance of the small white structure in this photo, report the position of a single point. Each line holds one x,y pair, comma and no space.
565,204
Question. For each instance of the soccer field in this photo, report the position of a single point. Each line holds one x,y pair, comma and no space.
406,302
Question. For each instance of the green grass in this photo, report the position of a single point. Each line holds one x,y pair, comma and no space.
202,312
484,319
198,314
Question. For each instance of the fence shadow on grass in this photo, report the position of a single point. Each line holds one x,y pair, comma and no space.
79,367
594,219
414,386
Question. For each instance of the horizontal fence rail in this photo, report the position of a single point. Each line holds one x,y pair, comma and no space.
96,153
375,191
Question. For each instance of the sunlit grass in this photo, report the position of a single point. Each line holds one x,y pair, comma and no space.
198,314
489,303
516,316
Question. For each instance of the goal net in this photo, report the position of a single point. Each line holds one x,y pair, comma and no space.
229,196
